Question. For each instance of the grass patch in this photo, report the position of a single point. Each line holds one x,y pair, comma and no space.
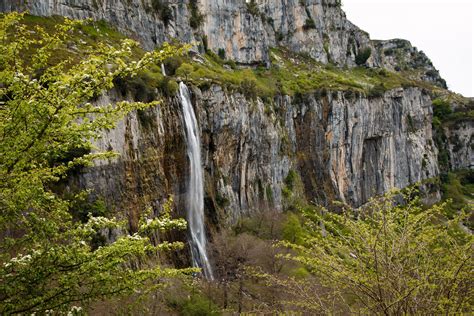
293,74
289,74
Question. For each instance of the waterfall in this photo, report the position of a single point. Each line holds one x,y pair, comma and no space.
195,189
163,70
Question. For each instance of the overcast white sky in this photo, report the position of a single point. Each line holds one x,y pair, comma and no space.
443,29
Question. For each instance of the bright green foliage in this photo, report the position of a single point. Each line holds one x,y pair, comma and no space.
196,305
291,73
184,70
384,259
292,229
47,259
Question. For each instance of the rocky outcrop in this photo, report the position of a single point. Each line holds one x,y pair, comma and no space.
244,31
460,138
398,55
141,20
315,27
343,146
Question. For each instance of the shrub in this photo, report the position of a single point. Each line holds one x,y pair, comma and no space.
184,70
385,258
363,55
441,109
163,9
309,24
249,88
140,88
291,179
377,91
172,64
196,18
197,305
292,230
252,8
168,87
221,53
205,43
49,259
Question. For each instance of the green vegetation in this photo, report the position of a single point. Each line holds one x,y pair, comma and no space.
386,257
194,305
377,91
362,56
290,74
51,256
309,24
252,8
458,192
196,18
291,179
163,9
381,259
441,109
443,117
292,229
184,70
84,36
444,114
293,74
221,53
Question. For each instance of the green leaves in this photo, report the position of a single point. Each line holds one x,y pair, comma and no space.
386,258
48,260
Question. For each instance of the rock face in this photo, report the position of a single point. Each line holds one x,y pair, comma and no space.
460,138
398,54
341,146
139,19
244,30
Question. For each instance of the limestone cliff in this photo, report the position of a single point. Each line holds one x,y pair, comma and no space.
341,146
244,30
260,152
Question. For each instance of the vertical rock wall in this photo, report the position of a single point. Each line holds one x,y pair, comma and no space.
343,147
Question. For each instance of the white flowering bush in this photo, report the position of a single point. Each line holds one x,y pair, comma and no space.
47,260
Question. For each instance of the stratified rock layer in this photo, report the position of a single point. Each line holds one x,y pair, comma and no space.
242,31
342,147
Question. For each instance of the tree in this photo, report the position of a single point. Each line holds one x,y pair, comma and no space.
184,70
362,56
384,258
48,260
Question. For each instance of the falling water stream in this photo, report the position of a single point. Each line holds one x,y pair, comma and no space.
163,70
195,190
